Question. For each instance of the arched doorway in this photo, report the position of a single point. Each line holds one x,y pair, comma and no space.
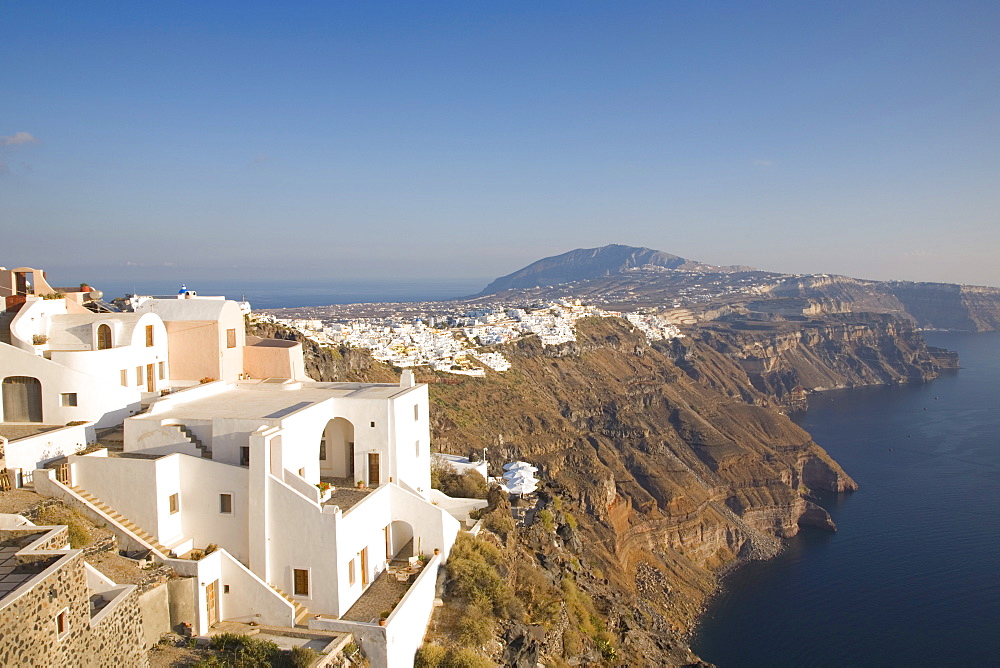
103,337
399,542
22,399
336,450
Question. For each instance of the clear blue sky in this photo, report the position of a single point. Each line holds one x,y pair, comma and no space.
346,140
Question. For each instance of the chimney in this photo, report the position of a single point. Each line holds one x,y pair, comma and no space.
407,379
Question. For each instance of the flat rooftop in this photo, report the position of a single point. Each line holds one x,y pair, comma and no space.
12,431
14,574
266,400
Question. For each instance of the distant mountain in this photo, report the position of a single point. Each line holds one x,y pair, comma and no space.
590,263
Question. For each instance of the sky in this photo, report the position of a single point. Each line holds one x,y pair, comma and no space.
418,141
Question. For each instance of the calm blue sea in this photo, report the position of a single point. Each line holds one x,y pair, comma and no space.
912,578
265,294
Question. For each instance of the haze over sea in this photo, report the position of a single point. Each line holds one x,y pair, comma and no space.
910,578
277,293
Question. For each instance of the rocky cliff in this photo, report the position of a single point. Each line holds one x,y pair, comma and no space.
671,479
785,359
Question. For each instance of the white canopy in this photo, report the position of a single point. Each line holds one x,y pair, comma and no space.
519,465
524,487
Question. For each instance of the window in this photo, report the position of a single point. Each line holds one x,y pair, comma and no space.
175,503
416,412
162,367
149,336
138,375
301,584
62,623
230,338
225,589
67,399
103,337
244,455
373,424
322,450
226,504
351,577
418,447
125,377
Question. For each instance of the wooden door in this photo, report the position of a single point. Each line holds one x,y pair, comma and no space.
150,379
364,567
373,472
212,603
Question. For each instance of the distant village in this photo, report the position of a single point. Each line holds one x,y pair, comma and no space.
461,343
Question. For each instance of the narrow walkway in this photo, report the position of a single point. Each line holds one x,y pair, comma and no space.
383,594
345,493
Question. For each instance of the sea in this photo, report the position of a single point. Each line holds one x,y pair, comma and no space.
277,293
912,576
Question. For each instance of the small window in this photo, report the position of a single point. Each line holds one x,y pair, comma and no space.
226,504
230,338
301,587
67,399
175,503
373,424
149,336
125,377
322,450
162,367
244,455
416,412
418,447
351,578
138,375
225,589
62,623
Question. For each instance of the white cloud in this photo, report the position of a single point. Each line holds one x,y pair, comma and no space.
18,139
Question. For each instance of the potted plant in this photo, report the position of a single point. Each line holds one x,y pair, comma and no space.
360,484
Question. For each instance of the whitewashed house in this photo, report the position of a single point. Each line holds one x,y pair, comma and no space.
238,465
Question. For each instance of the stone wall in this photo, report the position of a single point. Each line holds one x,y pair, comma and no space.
28,626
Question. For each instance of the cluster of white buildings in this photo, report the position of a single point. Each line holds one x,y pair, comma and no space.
453,347
308,491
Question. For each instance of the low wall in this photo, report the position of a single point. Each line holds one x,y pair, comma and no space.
396,643
35,451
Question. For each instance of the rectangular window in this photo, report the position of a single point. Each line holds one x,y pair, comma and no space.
175,503
373,424
322,450
226,504
125,377
149,336
230,338
162,370
138,375
67,399
418,447
416,412
244,455
351,577
301,582
364,567
62,623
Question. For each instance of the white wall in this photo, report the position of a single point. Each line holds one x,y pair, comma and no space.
202,482
126,485
33,452
98,400
409,466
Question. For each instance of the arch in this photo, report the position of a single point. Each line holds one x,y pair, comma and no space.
400,541
336,450
22,399
103,337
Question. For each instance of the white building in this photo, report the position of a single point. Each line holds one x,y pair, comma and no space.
238,465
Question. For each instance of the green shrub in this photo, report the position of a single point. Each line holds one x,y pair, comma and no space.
570,520
468,485
429,656
465,657
476,625
547,520
301,657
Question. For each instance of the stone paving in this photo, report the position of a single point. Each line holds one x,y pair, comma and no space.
383,594
345,494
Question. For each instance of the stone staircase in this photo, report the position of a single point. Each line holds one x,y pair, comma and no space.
301,612
206,451
124,521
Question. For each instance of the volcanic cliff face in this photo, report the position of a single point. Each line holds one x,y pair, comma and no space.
668,475
837,352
